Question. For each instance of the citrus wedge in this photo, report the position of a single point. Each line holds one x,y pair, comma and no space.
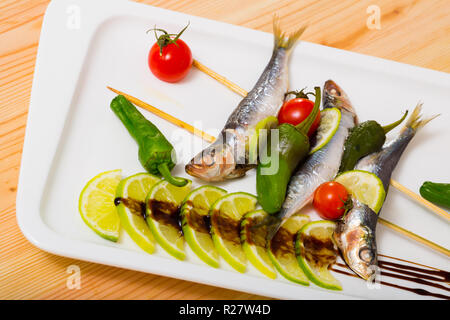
268,123
253,239
195,222
162,214
130,204
282,251
329,123
96,204
226,214
365,186
314,248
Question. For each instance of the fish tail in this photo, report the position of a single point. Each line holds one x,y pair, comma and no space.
416,120
283,40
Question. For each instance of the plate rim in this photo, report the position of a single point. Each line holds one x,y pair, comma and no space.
28,195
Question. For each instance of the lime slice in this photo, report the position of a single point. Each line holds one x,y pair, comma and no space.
162,208
226,214
282,251
315,251
96,204
267,123
365,186
195,222
254,242
130,203
329,123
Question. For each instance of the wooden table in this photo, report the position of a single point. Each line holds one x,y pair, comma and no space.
411,31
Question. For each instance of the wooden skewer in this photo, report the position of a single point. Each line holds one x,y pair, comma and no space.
394,183
414,236
232,86
165,116
427,204
210,138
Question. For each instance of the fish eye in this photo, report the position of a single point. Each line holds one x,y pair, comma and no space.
211,157
366,254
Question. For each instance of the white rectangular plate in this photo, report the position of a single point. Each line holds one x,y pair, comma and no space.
72,134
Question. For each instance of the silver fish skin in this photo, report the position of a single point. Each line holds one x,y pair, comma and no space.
228,156
322,165
355,233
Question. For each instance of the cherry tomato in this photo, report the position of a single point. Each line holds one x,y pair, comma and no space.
296,110
330,200
173,63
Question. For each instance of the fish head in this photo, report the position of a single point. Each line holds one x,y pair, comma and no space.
334,96
215,163
355,237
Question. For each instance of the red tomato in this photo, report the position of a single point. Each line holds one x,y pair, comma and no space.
330,200
296,110
174,62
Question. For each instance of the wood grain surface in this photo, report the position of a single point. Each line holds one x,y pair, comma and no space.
412,31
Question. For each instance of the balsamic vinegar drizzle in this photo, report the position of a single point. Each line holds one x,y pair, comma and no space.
401,270
166,213
229,229
198,221
442,276
135,206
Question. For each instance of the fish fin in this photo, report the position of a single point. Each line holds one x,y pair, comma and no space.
283,40
415,120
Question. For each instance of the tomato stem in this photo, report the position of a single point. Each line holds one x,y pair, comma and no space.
299,93
166,38
347,205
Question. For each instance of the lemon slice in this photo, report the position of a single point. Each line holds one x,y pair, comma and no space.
329,123
130,204
315,251
282,251
195,222
162,211
365,186
253,239
226,214
96,204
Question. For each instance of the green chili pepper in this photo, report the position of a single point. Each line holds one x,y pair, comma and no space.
156,154
292,147
438,193
364,139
